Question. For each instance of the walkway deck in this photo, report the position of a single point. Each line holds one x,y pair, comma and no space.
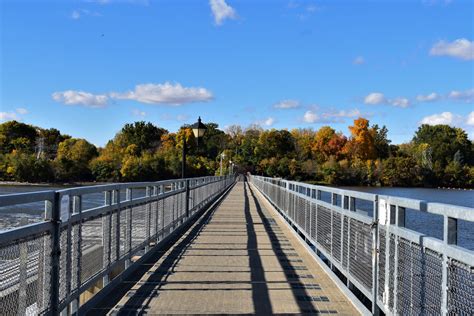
239,258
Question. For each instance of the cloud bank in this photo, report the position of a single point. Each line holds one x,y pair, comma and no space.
149,93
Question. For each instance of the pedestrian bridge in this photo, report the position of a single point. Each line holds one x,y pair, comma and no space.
237,245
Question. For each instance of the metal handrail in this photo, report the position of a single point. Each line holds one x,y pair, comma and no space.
403,271
89,245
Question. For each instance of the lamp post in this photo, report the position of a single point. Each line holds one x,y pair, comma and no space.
222,157
198,130
231,167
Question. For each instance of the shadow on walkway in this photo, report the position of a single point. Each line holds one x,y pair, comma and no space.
260,296
138,302
297,286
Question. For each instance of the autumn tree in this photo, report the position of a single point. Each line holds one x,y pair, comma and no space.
327,143
361,145
303,138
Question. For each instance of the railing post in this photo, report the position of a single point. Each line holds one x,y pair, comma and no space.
352,204
187,199
390,220
107,237
450,237
157,211
128,229
333,202
375,250
399,222
55,252
116,201
76,255
23,261
162,217
148,193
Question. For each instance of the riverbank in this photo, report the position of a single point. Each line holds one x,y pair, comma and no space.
323,183
49,184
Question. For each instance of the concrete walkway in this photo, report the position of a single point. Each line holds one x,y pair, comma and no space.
238,259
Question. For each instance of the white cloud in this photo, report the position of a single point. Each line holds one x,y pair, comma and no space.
455,120
293,4
310,117
312,8
269,121
72,97
330,116
359,60
436,2
428,98
221,11
166,93
266,122
182,117
22,111
136,112
442,118
400,102
375,98
103,2
179,117
461,48
7,116
463,96
287,104
13,115
341,114
470,119
77,14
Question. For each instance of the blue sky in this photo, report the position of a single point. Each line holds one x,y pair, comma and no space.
87,67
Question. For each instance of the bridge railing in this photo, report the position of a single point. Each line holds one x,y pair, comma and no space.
364,239
56,265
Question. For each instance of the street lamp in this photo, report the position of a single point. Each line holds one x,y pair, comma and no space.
222,157
231,167
198,129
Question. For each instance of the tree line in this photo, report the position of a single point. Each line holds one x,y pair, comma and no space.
437,155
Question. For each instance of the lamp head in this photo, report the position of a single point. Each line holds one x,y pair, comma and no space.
199,129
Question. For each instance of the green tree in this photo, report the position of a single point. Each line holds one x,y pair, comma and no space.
381,141
444,142
24,167
73,158
275,143
146,136
400,171
16,135
49,139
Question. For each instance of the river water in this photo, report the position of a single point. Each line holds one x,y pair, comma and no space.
429,224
